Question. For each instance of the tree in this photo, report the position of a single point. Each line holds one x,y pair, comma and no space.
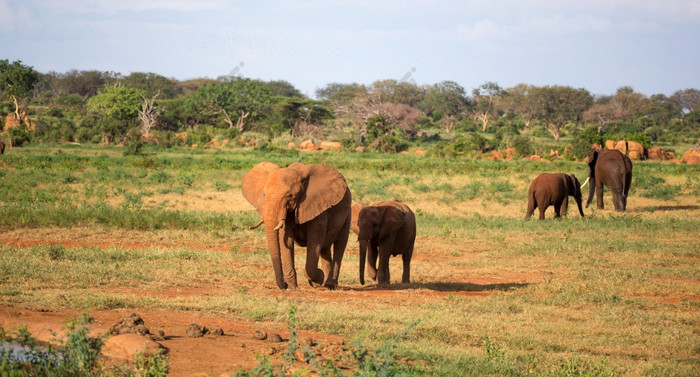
119,109
559,105
398,92
625,106
299,115
16,81
234,100
148,113
519,101
284,89
152,83
687,99
340,93
485,99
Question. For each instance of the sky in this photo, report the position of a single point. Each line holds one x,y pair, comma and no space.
600,45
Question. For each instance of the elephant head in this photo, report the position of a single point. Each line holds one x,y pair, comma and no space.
574,187
376,222
288,196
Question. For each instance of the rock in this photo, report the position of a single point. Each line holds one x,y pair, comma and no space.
668,155
291,145
131,324
655,153
260,335
420,152
306,341
360,149
331,145
634,156
609,144
510,152
404,152
218,332
633,146
596,146
537,158
691,157
497,155
182,136
195,331
307,145
125,346
276,338
553,153
569,150
214,143
621,146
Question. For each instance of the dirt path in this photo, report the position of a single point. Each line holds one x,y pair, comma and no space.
212,355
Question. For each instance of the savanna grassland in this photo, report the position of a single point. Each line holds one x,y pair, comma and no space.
91,229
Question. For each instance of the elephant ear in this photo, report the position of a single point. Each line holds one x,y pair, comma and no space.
392,221
355,213
324,187
254,183
573,184
592,159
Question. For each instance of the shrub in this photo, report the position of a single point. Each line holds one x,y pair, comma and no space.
389,144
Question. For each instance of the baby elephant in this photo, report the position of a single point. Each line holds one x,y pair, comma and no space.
553,189
384,229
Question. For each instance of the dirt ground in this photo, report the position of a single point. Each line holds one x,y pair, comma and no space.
208,355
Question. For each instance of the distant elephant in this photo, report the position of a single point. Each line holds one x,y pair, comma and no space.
384,229
553,189
2,147
306,204
610,168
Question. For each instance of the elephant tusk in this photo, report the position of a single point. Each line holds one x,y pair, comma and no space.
584,183
279,226
256,225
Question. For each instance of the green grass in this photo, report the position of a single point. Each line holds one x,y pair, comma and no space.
609,294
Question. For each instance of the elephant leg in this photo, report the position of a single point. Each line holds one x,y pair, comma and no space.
599,197
326,262
315,235
531,205
337,258
557,211
371,269
542,209
383,277
406,277
564,206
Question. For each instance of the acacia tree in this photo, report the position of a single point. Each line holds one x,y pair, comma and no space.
445,101
687,99
485,99
519,101
16,81
148,113
625,105
558,105
119,108
235,100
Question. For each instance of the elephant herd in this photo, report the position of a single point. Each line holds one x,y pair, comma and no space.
311,206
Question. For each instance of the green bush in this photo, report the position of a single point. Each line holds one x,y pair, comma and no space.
389,144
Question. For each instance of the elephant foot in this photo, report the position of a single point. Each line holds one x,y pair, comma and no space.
331,284
314,284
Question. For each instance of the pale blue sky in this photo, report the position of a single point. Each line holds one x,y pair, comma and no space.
600,45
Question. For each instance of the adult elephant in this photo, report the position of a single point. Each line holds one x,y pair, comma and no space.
304,204
612,169
384,229
553,189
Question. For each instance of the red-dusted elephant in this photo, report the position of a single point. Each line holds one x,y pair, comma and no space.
304,204
553,190
384,229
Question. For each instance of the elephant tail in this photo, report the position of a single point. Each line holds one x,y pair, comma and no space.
531,204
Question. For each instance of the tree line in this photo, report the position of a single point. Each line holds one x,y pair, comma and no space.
90,106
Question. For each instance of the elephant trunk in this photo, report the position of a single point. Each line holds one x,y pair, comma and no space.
578,203
272,231
364,244
591,191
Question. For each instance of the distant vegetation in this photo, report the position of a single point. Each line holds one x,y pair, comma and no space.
388,115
